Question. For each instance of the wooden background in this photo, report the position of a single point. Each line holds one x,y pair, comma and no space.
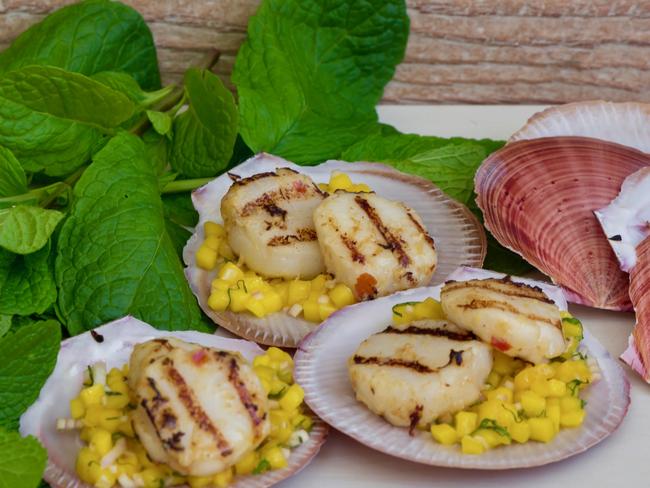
459,51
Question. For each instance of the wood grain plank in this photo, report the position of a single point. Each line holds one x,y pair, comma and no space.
463,51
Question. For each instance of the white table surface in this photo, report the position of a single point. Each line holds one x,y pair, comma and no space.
621,459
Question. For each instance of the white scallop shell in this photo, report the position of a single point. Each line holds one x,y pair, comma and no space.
458,236
321,369
119,337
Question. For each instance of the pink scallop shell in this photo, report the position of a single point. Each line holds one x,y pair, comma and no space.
321,369
625,223
626,123
538,199
119,338
459,237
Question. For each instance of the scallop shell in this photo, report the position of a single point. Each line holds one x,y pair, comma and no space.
625,223
321,369
624,123
119,337
538,199
459,237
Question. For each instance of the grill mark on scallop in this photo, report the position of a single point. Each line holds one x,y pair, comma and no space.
195,411
245,396
301,235
421,229
412,330
415,417
356,255
454,357
477,304
394,243
523,290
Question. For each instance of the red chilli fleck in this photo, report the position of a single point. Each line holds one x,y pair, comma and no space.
500,344
199,357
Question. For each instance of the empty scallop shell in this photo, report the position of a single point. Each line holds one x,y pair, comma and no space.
119,337
625,223
321,369
538,199
458,236
625,123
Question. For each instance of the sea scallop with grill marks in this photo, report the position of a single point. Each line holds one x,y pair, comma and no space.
199,409
515,318
268,217
374,245
413,373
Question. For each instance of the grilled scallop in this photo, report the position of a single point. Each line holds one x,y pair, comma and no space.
199,410
414,373
268,218
517,319
374,245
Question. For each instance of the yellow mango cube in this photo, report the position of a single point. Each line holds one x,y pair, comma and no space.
282,289
465,422
225,251
247,464
325,310
341,296
553,413
492,437
116,400
292,398
224,478
256,307
212,243
92,395
199,481
339,181
219,300
493,379
77,408
573,418
299,291
311,311
101,442
570,404
541,429
444,434
501,393
276,458
532,403
471,445
238,299
519,431
206,258
230,273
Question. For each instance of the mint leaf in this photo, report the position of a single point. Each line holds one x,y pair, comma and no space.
180,209
53,119
28,358
310,74
12,176
22,460
115,256
204,135
161,122
24,230
389,144
5,324
125,84
26,282
89,37
178,235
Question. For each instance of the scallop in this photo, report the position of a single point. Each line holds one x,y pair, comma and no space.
270,225
625,224
113,344
414,373
458,236
515,318
321,367
538,197
365,236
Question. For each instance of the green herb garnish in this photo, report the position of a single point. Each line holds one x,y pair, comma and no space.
262,467
491,424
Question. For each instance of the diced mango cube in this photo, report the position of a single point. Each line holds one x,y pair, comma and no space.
341,296
501,393
77,408
311,311
465,422
256,306
541,429
444,434
339,181
532,404
238,299
214,229
206,258
223,478
101,442
219,300
276,458
247,464
492,437
520,431
471,445
212,243
226,251
298,291
573,418
428,309
292,398
92,395
570,404
325,310
231,273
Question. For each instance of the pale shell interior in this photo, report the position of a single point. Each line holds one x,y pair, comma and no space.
458,236
119,337
321,368
625,123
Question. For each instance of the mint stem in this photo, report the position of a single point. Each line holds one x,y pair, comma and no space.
185,185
